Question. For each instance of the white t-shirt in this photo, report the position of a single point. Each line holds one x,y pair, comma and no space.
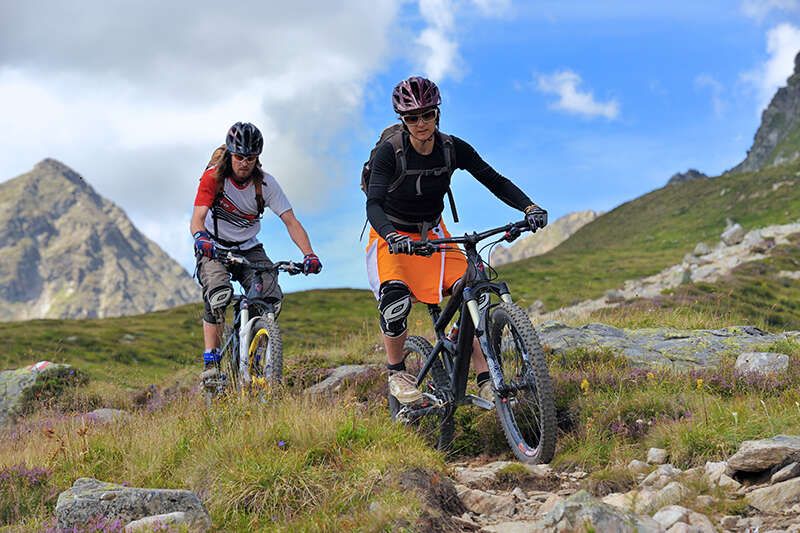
237,209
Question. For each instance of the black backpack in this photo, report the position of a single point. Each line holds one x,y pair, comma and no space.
394,135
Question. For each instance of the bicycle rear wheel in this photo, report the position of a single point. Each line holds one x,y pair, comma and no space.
527,410
265,359
437,427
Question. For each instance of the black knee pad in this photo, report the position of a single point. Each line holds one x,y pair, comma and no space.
216,300
394,305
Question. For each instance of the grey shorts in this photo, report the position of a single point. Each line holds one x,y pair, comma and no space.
213,275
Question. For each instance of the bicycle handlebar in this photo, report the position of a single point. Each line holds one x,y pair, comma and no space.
511,230
290,267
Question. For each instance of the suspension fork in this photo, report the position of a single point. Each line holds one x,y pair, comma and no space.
479,315
245,326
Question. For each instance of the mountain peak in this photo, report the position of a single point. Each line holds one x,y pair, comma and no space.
777,140
70,253
51,166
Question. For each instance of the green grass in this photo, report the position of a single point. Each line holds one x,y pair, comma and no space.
753,293
283,466
611,413
645,235
134,351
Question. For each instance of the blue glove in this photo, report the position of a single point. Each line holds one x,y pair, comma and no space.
536,217
203,245
311,264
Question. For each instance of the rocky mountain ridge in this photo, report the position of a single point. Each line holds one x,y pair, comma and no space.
544,240
777,140
70,253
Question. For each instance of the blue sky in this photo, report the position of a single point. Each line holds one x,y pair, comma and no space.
584,105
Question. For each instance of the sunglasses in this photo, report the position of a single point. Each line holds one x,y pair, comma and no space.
427,116
247,159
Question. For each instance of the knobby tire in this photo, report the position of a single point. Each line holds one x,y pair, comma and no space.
527,416
266,351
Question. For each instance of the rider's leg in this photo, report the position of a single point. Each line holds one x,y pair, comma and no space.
212,334
394,304
217,293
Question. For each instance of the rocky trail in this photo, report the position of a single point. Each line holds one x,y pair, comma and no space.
761,477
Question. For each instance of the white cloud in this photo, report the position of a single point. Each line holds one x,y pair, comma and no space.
135,99
437,54
783,44
493,7
759,9
566,84
706,81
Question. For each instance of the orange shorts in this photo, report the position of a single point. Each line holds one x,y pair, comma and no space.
426,277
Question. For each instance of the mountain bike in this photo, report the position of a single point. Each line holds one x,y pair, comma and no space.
521,385
252,349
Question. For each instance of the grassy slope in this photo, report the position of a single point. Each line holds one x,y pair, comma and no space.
609,413
645,235
166,341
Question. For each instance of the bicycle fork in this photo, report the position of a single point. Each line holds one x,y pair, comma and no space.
478,312
246,326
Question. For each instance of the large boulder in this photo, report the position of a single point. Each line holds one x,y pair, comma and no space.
733,235
22,389
582,512
657,347
89,499
763,454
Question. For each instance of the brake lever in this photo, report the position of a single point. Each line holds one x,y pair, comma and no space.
512,234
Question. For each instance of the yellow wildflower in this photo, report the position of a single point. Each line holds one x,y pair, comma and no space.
585,386
699,383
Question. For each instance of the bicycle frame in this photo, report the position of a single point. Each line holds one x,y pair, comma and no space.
473,294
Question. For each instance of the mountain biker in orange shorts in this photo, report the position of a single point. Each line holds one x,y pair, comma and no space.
405,198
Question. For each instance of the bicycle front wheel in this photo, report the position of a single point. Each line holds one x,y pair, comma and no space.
526,410
437,427
230,358
265,359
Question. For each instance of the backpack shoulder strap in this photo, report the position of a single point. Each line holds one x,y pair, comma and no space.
397,140
450,162
259,183
449,151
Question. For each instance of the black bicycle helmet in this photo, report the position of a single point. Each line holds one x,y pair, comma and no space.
244,139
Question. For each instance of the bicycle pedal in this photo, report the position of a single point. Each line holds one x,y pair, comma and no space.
477,401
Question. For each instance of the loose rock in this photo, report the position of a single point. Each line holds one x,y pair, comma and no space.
789,471
763,363
84,501
670,515
581,510
340,377
656,456
758,455
775,498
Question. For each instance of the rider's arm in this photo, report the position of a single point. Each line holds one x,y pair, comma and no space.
468,159
297,232
198,219
383,170
206,191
